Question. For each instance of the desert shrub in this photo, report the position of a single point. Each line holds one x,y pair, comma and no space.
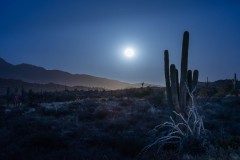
46,140
223,91
88,110
228,142
101,113
232,102
125,102
85,116
126,143
118,125
143,92
55,111
184,133
3,100
129,145
138,92
206,92
157,98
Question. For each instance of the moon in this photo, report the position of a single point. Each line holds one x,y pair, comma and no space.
129,52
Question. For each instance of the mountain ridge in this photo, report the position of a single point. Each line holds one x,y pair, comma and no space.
35,74
14,85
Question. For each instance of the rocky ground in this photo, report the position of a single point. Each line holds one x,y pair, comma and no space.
112,128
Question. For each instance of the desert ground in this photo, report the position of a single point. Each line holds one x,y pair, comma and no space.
107,125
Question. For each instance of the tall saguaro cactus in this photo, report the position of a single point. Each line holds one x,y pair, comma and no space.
177,91
184,70
167,79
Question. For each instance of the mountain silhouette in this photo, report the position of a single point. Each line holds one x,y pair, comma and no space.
19,85
34,74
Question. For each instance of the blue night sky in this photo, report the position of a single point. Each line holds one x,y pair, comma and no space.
90,36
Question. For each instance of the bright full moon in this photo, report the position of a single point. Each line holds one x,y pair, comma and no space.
129,52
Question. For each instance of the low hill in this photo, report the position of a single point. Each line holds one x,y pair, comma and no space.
34,74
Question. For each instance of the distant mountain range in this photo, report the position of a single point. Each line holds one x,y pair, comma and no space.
17,77
16,86
34,74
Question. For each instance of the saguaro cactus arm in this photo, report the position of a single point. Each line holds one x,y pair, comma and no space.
174,88
195,78
167,79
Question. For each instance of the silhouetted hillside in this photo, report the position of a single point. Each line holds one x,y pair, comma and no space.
34,74
218,83
18,85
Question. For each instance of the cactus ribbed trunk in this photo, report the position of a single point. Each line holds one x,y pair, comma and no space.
184,69
195,79
174,84
189,80
167,79
177,79
189,84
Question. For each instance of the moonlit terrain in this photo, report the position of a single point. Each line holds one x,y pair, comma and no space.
119,80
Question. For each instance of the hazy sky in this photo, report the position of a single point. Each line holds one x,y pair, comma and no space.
90,36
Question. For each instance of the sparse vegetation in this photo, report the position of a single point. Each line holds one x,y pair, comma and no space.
111,125
116,126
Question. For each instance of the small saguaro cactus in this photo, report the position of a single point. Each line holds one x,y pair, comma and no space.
235,89
177,91
191,82
174,84
195,79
